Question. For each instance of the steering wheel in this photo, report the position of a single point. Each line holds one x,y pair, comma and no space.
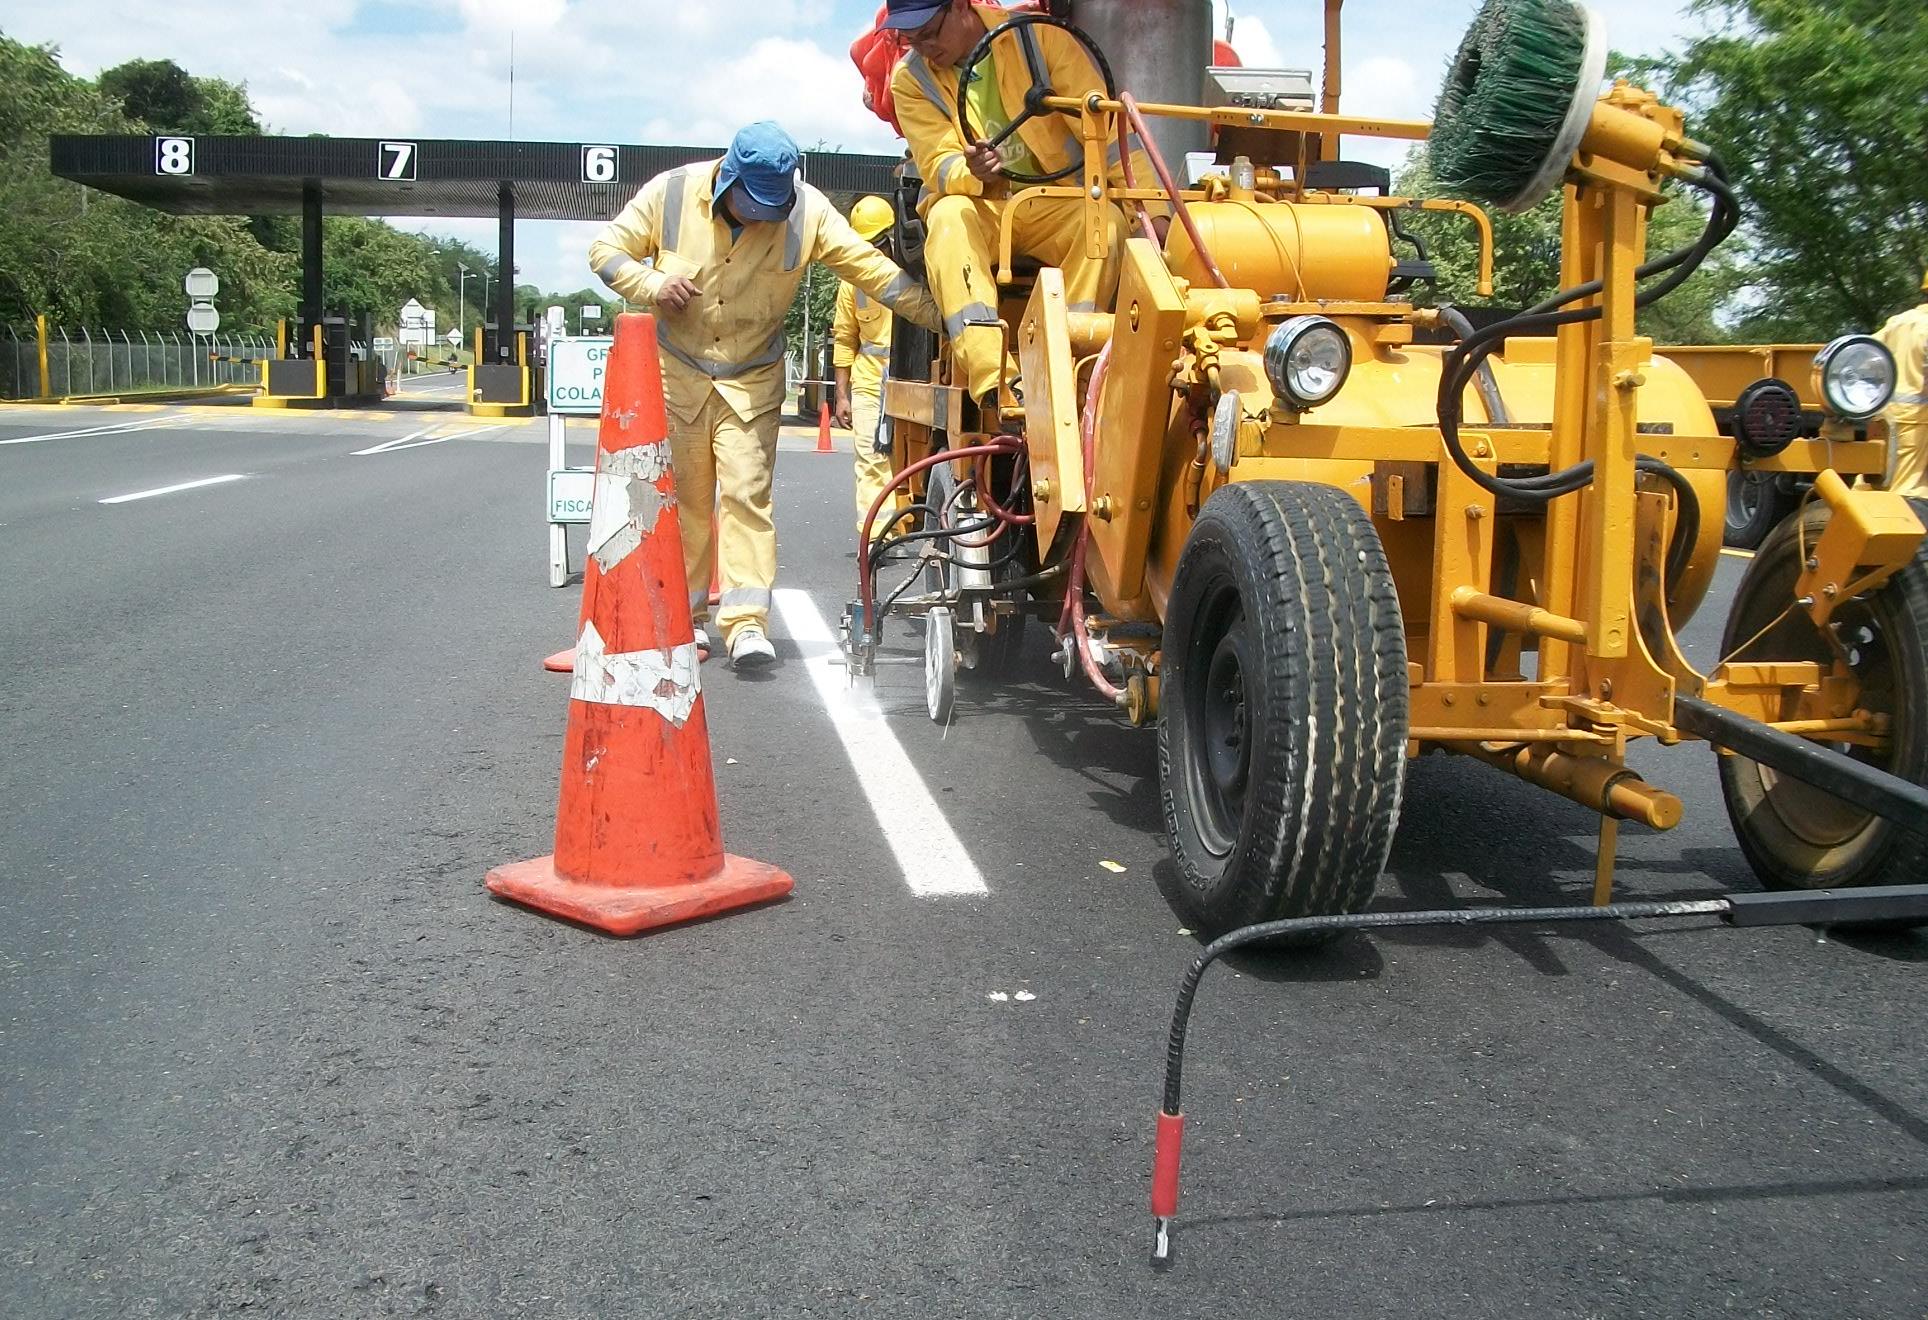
1040,86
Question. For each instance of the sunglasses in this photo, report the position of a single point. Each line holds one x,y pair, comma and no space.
929,31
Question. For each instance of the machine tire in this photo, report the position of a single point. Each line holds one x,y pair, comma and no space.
1794,836
1756,501
1282,725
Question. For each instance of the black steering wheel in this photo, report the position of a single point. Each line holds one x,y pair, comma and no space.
1040,86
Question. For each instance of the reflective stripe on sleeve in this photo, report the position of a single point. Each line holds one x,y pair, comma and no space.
875,350
928,81
793,232
973,314
614,268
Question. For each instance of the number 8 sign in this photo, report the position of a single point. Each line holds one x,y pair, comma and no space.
174,155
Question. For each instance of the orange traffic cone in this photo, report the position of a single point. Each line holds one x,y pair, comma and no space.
562,662
638,843
823,429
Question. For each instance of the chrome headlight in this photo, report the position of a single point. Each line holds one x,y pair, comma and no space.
1225,431
1307,359
1855,377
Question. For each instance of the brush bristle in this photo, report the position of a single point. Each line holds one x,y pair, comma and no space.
1506,96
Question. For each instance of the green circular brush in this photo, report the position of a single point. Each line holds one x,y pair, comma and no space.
1517,99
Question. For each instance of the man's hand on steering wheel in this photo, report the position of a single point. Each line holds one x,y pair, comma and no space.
985,161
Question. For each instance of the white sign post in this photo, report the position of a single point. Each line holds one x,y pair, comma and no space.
575,386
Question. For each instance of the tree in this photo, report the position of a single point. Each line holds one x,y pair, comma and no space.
1819,109
167,98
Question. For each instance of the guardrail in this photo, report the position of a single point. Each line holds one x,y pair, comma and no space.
62,361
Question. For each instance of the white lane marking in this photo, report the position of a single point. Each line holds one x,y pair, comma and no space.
928,851
107,428
169,490
416,439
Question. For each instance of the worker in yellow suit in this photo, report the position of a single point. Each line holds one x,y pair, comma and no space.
717,249
968,195
1906,336
860,339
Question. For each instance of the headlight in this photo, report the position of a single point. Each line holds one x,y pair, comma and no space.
1306,359
1767,417
1855,377
1225,431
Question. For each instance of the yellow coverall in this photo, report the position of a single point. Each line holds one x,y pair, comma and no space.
861,346
1906,336
722,357
962,213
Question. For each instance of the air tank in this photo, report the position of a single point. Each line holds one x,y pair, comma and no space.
1159,51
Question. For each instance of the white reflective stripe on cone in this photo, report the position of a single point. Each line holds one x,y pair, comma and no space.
665,681
627,502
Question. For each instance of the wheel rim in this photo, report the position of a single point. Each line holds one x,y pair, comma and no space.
1855,636
1746,493
1218,742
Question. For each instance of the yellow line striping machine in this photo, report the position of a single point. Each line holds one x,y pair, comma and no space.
1310,529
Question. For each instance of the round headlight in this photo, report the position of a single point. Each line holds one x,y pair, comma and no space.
1767,418
1225,431
1855,377
1306,359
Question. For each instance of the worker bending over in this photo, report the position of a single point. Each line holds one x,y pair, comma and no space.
967,195
1906,336
727,242
861,349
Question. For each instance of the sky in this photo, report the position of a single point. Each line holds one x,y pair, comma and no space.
658,72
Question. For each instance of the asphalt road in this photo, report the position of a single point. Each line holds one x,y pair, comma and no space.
266,1044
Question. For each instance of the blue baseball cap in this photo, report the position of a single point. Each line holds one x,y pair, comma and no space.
762,166
909,15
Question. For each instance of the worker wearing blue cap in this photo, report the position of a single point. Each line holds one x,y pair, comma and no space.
717,249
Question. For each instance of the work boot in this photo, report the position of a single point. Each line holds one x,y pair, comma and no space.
750,649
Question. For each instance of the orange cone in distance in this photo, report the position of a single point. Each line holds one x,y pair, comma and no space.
823,429
638,842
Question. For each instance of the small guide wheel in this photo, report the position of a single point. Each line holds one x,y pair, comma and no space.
940,663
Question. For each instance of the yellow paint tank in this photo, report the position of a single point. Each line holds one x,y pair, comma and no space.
1283,250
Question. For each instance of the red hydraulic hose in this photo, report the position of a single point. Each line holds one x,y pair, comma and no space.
1071,624
866,577
991,506
1166,181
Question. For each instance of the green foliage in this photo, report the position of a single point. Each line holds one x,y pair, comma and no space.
816,300
168,99
1526,258
1819,108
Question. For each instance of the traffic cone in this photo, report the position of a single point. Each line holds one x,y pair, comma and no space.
823,429
562,662
638,843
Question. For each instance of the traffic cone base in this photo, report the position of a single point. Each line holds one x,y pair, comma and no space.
562,662
626,910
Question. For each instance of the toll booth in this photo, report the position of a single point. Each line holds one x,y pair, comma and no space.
322,362
506,379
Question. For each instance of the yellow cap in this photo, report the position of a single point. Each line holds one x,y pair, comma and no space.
870,217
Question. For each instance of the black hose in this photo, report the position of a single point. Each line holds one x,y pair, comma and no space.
1489,385
1271,930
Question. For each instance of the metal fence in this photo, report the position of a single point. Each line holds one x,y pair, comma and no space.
98,361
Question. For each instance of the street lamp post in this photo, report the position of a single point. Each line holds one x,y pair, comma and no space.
461,303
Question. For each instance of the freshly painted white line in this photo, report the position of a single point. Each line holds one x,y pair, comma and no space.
109,428
416,439
928,851
169,490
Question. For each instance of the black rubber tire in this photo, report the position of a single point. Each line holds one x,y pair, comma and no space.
1756,501
1282,709
1794,836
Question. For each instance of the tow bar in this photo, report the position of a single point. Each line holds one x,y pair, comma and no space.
1811,907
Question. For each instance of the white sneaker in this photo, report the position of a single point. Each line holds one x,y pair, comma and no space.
750,649
702,641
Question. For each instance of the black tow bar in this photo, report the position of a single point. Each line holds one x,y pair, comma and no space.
1807,907
1854,782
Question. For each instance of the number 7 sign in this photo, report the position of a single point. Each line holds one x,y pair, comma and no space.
396,162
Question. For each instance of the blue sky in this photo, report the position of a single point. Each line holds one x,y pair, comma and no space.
652,70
